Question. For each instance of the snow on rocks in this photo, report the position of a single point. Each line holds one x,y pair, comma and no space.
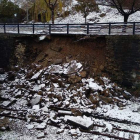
38,87
75,132
42,37
63,112
8,103
109,127
62,92
36,75
35,100
41,126
36,107
92,84
83,122
60,131
3,78
41,135
30,126
127,95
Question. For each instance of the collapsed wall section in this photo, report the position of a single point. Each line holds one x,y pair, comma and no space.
116,56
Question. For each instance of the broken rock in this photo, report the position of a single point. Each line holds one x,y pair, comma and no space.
83,74
57,61
63,112
106,99
83,122
127,95
2,93
36,76
57,49
60,131
41,126
35,100
8,103
94,99
74,79
41,135
76,112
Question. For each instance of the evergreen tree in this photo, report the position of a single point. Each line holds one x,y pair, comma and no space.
9,11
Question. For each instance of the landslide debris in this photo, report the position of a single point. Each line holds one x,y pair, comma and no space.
46,95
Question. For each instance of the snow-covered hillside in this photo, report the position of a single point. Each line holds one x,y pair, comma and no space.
105,14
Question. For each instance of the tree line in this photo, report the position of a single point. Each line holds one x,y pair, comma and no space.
46,10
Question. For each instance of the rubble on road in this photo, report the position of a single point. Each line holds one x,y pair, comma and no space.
59,94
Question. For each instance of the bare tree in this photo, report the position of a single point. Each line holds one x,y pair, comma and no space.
52,4
26,5
126,7
86,6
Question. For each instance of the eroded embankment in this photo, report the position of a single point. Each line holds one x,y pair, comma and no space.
116,56
70,80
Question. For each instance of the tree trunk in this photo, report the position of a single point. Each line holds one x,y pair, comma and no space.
52,16
33,12
27,18
36,17
126,18
85,19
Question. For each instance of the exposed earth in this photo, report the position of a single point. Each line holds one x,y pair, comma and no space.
62,93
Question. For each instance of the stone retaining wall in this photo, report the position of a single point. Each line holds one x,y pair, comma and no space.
123,59
6,48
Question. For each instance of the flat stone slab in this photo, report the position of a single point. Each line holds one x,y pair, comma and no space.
63,112
83,122
6,103
41,135
35,77
41,126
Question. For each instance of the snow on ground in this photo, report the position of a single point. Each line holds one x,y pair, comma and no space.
111,15
131,112
51,87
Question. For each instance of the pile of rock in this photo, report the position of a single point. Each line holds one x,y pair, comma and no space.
46,94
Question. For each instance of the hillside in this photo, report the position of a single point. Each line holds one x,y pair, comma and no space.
104,14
